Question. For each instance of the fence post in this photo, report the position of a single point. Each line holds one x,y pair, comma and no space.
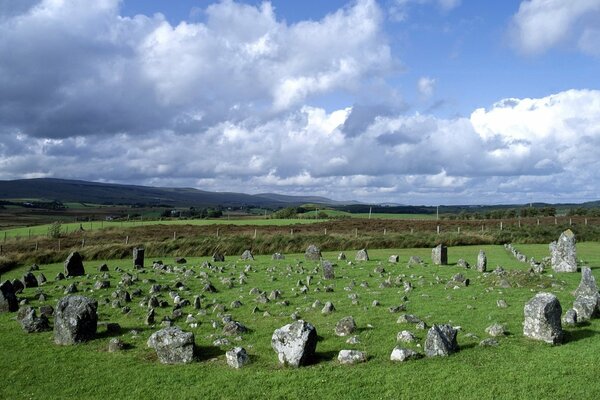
355,232
586,222
384,231
500,225
58,244
217,232
174,235
254,233
127,239
438,229
570,221
325,231
459,230
292,232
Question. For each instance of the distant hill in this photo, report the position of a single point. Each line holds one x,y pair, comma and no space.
109,193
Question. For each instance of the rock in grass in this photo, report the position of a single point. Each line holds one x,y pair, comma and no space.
31,323
247,255
29,280
115,344
489,342
405,336
234,328
481,261
218,257
496,330
328,308
587,285
393,258
74,265
237,357
328,272
586,307
570,317
345,326
75,320
295,343
564,254
362,255
312,253
441,341
400,354
173,346
351,357
439,255
542,318
8,299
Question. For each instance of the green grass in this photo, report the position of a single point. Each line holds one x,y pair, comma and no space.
337,213
519,368
95,225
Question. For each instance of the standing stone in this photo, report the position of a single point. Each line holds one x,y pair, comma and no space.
394,258
481,261
542,318
237,357
362,255
173,346
75,320
328,272
18,286
8,299
247,255
74,265
587,285
564,254
218,257
31,323
29,280
441,341
312,253
439,255
138,257
345,326
342,256
295,343
587,301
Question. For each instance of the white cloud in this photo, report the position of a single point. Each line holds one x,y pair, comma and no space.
398,10
542,24
426,86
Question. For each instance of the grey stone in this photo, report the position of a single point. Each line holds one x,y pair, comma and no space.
501,304
587,285
8,299
74,265
101,285
441,341
462,263
405,336
351,357
312,253
138,257
496,330
414,260
408,319
328,272
439,255
295,343
542,318
489,342
31,323
172,345
247,255
278,256
401,354
570,317
481,261
564,253
41,279
362,255
75,320
586,307
116,344
218,257
103,268
29,280
18,286
346,326
341,256
234,328
237,357
328,308
393,258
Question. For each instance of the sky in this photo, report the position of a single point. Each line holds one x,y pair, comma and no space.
390,101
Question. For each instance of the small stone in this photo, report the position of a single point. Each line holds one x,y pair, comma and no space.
570,317
401,354
489,342
115,344
441,341
237,357
351,357
345,326
496,330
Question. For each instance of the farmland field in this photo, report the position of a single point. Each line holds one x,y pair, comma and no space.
517,368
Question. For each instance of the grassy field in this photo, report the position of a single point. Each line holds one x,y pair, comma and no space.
95,225
337,213
518,368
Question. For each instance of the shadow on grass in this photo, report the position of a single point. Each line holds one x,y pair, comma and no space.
108,330
204,353
580,334
323,356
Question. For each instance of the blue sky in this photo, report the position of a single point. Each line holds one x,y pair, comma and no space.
406,101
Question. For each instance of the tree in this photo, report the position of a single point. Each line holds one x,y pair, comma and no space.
54,230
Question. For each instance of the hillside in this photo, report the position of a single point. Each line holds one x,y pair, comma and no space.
109,193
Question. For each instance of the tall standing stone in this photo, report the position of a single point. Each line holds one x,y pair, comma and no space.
481,261
74,265
587,298
312,253
439,255
328,272
247,255
542,318
564,254
295,343
362,255
8,299
75,320
138,257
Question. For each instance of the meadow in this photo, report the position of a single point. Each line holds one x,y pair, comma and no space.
518,368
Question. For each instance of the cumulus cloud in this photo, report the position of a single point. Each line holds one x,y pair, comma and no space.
542,24
75,67
398,10
426,86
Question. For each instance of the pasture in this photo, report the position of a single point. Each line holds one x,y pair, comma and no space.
517,368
